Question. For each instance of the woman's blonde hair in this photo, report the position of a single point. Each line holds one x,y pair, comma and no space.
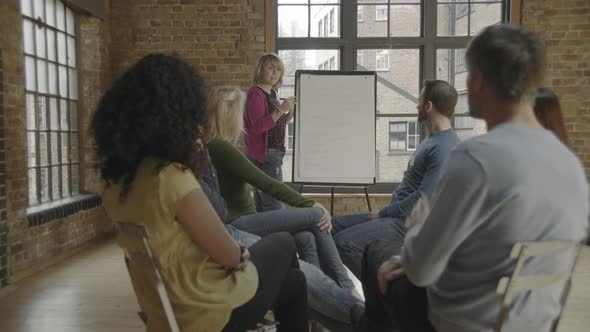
225,106
263,60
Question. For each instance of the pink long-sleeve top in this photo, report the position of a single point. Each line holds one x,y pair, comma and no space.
257,122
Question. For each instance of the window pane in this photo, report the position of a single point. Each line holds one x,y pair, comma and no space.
397,87
40,42
325,21
282,2
70,26
31,114
31,149
26,7
73,84
74,147
55,194
31,77
373,1
32,186
391,164
63,108
293,21
42,112
404,21
71,52
29,40
370,26
43,150
325,1
39,9
483,15
61,48
52,78
65,154
449,64
449,22
65,178
303,59
54,148
63,81
50,12
44,184
73,111
51,45
42,76
75,179
61,15
53,114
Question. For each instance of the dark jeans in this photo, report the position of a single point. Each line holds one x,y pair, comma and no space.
352,233
404,307
273,167
281,286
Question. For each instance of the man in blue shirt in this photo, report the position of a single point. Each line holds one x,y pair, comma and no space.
353,232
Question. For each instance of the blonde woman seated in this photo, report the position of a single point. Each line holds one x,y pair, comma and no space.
309,221
148,128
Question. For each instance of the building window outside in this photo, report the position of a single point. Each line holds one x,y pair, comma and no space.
320,28
460,61
289,136
332,63
332,21
360,14
51,96
403,136
382,60
397,136
380,13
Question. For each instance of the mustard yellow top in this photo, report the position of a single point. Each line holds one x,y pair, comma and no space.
201,291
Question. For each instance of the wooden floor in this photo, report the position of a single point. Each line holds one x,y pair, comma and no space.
89,292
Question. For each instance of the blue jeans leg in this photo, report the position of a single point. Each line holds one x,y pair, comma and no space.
307,248
352,242
273,167
294,221
340,223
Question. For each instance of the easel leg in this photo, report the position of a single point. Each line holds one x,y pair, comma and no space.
368,201
332,201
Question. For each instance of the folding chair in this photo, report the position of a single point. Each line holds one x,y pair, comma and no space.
575,317
140,255
508,286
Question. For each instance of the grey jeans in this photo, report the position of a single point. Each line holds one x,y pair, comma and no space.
353,232
314,245
330,304
273,167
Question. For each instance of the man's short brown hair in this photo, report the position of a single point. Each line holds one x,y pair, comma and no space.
510,59
442,95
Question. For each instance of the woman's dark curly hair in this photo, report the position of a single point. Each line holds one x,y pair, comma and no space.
156,109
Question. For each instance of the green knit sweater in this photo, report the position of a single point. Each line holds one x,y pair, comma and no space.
236,175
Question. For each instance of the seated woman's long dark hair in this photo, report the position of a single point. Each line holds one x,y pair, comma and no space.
156,109
548,112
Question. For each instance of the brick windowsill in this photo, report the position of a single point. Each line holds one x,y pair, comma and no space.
41,214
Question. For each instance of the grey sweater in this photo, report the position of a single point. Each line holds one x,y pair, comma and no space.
511,185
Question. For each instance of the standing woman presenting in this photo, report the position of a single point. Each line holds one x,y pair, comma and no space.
265,122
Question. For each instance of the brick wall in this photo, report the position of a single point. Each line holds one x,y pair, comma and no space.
3,222
223,38
564,27
33,247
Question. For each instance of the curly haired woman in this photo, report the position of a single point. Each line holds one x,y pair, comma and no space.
149,129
